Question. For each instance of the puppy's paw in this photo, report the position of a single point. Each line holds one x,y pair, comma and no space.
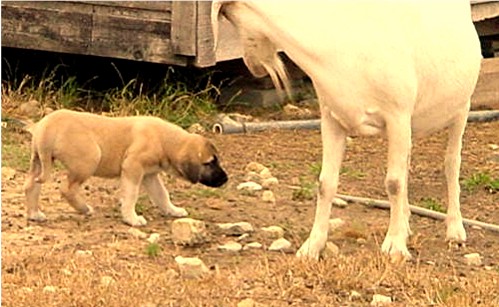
89,211
176,211
136,221
37,216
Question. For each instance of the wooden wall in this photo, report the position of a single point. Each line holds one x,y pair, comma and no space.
137,30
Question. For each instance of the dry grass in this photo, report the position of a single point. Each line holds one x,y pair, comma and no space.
272,280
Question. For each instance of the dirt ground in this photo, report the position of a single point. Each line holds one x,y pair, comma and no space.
41,265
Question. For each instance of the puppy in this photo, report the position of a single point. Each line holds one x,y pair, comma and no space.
136,149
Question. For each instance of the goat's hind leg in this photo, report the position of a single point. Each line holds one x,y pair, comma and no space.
333,140
455,229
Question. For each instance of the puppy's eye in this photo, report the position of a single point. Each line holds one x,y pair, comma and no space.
212,161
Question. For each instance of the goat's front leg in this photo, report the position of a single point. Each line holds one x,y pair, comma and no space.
455,229
399,151
333,142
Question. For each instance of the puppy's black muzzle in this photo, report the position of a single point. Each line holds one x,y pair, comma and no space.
213,175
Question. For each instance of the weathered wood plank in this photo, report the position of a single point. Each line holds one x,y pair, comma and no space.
204,36
165,6
46,29
183,27
130,38
486,95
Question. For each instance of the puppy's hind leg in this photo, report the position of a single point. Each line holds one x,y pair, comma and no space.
70,193
45,158
32,191
160,196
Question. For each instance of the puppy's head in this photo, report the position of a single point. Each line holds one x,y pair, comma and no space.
198,162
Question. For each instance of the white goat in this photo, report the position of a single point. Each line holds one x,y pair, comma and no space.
399,68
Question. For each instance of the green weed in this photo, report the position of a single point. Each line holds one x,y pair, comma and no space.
306,191
153,250
481,180
432,204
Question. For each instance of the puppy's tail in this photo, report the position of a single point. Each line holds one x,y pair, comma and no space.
41,157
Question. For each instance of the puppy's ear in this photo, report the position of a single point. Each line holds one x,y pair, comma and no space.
191,171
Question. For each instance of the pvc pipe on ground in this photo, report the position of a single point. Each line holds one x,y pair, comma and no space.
416,210
228,126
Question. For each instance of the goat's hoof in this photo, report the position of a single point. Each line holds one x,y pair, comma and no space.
309,251
396,248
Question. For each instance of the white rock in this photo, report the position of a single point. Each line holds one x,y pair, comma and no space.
8,173
187,231
335,224
66,272
252,245
331,250
268,197
247,303
236,229
254,167
49,289
265,173
153,238
380,300
355,296
476,227
361,241
473,259
493,146
249,186
230,246
275,231
84,253
338,202
280,244
107,281
137,233
252,176
242,237
269,182
191,267
196,128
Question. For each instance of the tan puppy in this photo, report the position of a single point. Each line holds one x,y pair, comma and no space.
135,148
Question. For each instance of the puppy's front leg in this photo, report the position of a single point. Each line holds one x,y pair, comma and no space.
160,196
131,178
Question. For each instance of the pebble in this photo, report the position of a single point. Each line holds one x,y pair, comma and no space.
137,233
265,173
84,253
335,223
247,303
107,281
354,296
153,238
236,229
252,245
279,245
274,231
191,267
254,167
249,186
187,231
230,246
268,197
473,259
380,300
49,289
269,182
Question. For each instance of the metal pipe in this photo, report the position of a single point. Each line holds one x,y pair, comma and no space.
226,125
